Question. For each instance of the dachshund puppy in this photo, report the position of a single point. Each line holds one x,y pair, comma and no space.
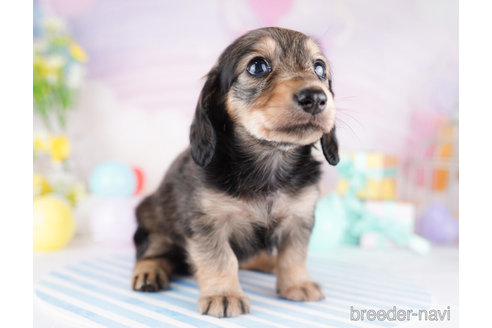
243,194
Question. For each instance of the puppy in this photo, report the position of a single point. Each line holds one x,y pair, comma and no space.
243,194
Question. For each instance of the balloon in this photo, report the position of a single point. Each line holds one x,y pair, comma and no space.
53,223
438,225
330,225
112,221
271,11
112,179
140,179
70,8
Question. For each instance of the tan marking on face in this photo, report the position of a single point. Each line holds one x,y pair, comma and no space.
265,48
316,53
274,115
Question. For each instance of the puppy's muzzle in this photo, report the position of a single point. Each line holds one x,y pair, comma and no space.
312,101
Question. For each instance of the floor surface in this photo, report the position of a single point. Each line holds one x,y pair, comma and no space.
437,272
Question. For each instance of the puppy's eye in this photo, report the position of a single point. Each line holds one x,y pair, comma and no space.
258,67
319,69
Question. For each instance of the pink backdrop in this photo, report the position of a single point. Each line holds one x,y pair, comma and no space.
395,69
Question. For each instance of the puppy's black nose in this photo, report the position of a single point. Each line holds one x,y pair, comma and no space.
312,101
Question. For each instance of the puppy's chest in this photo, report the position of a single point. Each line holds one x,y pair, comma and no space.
268,213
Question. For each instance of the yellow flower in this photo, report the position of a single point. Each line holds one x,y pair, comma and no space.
59,148
53,24
52,65
76,193
41,144
78,53
40,185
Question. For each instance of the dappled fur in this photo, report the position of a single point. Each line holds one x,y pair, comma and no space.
232,197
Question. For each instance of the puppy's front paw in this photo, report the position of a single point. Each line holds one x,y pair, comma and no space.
149,277
224,305
306,291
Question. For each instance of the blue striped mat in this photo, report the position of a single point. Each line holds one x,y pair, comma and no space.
97,293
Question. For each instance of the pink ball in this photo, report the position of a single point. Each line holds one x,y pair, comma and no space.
70,8
272,11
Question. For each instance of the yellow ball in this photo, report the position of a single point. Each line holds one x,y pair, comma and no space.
53,223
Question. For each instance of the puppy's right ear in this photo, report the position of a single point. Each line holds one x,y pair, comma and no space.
329,144
203,139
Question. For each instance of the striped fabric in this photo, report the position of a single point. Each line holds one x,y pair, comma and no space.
97,293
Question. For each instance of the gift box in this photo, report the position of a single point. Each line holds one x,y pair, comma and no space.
435,170
391,224
379,175
401,213
377,240
390,215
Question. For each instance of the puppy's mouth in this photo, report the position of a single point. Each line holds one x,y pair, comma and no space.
300,128
304,125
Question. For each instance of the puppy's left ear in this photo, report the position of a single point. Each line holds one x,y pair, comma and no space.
203,137
329,144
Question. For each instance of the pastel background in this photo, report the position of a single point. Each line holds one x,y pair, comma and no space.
395,67
135,69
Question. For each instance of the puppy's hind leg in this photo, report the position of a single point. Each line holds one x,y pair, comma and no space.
158,252
263,262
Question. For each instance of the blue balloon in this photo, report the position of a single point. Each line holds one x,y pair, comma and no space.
112,179
330,225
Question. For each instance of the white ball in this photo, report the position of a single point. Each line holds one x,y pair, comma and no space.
113,221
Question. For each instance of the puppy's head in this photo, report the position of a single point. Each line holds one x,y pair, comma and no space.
276,85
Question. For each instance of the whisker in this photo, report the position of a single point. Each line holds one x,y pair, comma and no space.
351,117
341,111
347,109
338,120
345,98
